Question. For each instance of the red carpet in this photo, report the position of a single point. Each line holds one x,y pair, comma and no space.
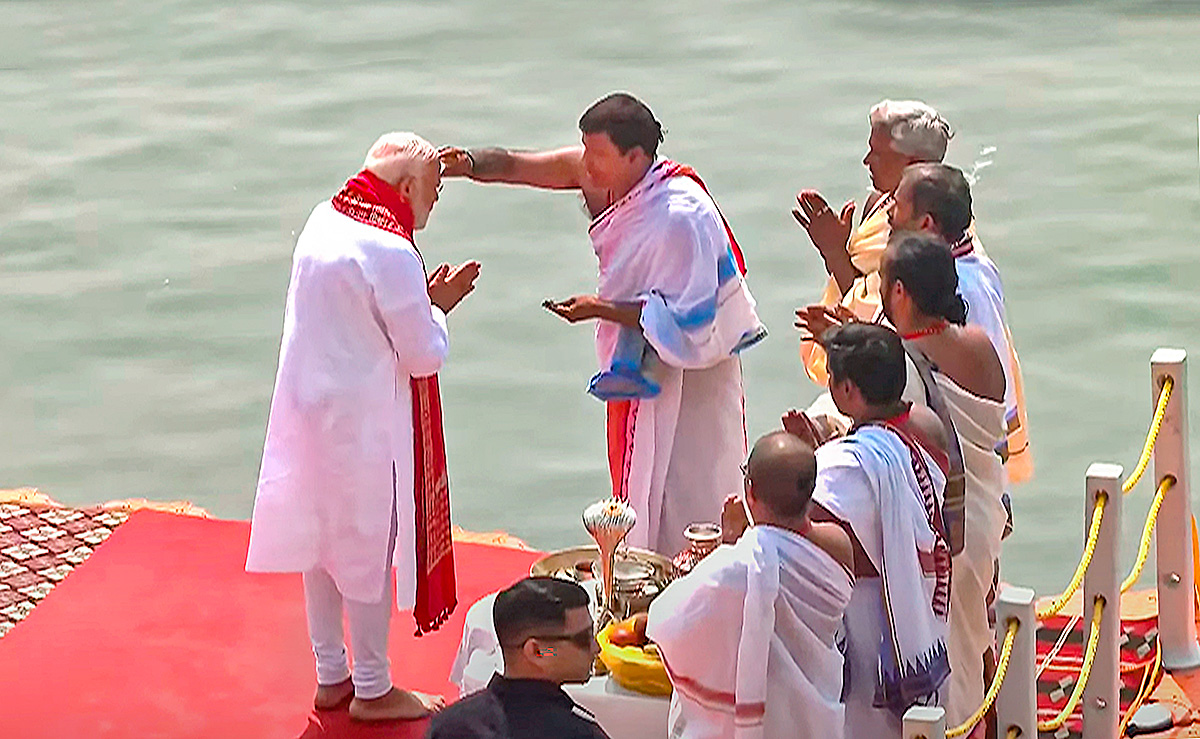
162,634
1138,645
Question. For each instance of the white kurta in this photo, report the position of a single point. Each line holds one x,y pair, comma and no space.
357,326
749,637
979,284
665,243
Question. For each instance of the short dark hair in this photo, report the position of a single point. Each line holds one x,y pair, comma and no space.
626,120
943,192
533,604
870,356
924,264
782,470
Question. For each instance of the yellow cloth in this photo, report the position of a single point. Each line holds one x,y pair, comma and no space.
866,246
1018,460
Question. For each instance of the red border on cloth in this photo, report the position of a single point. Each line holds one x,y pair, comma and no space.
368,199
621,421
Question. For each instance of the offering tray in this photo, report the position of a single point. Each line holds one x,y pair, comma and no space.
640,574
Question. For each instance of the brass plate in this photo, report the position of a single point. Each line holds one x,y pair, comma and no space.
576,563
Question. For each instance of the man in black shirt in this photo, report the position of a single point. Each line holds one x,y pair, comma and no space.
546,632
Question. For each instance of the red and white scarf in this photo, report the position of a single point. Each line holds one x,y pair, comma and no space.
368,199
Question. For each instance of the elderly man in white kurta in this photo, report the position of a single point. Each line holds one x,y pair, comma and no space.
672,307
353,480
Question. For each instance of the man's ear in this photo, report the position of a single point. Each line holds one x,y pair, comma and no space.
405,187
531,650
849,390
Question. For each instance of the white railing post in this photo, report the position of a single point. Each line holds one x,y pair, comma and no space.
1101,706
1173,535
925,722
1016,705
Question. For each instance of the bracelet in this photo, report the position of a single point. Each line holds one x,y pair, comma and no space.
470,159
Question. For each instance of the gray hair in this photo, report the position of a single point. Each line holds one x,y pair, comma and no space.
916,129
398,155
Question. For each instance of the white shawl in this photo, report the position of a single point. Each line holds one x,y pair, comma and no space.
749,640
892,521
665,243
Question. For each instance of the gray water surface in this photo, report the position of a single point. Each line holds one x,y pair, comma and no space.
157,159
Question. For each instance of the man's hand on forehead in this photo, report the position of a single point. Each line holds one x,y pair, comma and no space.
455,162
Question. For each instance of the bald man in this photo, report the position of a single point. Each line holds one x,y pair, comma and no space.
353,480
748,636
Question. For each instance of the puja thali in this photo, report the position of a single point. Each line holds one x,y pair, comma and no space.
639,574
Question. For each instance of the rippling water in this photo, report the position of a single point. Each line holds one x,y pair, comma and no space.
157,158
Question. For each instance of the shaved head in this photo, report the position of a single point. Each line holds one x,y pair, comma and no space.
782,472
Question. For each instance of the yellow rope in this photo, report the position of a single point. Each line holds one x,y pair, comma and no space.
1148,533
1014,732
1089,548
993,690
1085,672
1155,426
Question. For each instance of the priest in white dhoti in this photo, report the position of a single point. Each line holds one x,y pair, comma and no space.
886,490
353,482
749,637
936,198
962,378
673,313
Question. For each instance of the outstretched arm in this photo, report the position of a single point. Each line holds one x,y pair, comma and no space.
559,169
585,307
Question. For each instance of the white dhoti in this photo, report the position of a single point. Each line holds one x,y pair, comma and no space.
677,454
979,423
749,640
684,451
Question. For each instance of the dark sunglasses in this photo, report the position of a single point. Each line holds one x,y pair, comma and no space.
582,639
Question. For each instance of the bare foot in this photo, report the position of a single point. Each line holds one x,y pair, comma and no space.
332,697
396,705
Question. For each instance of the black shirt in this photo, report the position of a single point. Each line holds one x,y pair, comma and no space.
516,709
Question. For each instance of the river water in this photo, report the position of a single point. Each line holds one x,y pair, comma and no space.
157,159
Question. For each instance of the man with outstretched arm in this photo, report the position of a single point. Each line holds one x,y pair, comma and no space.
672,309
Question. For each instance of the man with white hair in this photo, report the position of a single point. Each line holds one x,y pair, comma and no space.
353,480
902,133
